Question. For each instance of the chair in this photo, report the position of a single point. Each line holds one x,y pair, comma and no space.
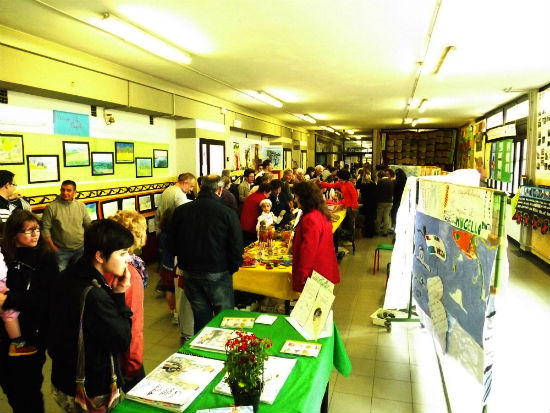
380,247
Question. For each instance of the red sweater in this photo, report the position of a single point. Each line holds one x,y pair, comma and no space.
131,361
251,211
348,191
313,249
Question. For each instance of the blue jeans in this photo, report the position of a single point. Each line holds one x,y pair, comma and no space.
208,293
66,257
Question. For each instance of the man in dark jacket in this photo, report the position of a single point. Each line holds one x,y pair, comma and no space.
207,239
107,320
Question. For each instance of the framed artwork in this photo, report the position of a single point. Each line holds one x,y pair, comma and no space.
160,158
144,167
145,203
11,149
91,207
76,154
109,208
102,163
43,168
124,152
129,204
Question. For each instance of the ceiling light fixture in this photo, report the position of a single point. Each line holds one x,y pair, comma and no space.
306,117
422,105
264,97
328,128
414,122
350,131
140,38
442,58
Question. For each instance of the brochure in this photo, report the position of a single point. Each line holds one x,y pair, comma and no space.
301,348
276,371
238,322
314,305
176,382
213,339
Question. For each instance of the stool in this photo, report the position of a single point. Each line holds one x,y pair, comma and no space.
380,247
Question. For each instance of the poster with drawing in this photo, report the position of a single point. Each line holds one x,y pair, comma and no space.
275,153
454,278
542,172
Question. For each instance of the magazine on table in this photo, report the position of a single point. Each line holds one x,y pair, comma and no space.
276,371
238,322
213,339
301,348
176,382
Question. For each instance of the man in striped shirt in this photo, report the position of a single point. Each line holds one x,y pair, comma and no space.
8,200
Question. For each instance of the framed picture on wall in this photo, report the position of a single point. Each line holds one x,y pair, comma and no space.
124,152
160,158
43,168
11,149
144,167
76,154
91,207
144,202
102,163
109,208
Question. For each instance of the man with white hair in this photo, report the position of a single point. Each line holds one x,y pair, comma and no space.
321,172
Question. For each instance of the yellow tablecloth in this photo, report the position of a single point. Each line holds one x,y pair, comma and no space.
276,282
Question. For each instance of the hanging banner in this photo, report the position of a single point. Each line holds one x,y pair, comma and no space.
68,123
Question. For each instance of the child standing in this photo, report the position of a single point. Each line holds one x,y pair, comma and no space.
267,216
18,346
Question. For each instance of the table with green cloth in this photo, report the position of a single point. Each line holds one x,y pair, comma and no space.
305,387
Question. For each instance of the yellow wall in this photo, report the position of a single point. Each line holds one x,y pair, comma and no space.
124,174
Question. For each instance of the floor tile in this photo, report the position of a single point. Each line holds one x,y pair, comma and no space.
390,406
393,371
349,403
354,384
392,390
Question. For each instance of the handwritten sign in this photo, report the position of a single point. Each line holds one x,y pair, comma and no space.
68,123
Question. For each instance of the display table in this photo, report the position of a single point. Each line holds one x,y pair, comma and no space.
276,282
305,387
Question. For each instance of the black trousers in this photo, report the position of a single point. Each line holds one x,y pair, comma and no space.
21,380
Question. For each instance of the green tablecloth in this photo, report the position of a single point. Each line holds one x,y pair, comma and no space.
305,387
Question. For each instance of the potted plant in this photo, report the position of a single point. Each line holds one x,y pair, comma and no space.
246,355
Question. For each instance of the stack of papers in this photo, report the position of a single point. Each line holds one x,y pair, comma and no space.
276,371
213,339
176,382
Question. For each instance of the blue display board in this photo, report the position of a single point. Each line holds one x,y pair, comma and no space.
68,123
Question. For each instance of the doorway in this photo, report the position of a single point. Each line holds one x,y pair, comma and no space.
212,156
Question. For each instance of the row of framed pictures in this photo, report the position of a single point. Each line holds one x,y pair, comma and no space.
45,168
143,203
78,154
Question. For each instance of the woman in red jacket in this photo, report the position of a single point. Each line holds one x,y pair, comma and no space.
313,248
349,194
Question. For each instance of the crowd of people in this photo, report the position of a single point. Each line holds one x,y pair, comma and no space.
62,273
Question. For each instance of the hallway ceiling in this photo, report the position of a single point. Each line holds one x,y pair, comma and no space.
353,64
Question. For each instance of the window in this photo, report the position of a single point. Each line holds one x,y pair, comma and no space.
519,111
495,120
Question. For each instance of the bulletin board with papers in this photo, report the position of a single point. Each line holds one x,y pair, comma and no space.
459,257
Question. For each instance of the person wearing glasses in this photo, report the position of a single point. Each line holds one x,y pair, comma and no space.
9,201
32,269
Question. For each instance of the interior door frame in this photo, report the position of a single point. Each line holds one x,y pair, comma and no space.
208,143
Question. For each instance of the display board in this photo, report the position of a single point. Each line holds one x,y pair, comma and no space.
533,208
542,172
458,249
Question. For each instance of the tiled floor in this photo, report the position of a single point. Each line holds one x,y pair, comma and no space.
398,372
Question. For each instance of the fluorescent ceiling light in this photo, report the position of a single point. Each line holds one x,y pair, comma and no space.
327,128
350,131
414,122
422,105
140,38
307,118
442,58
264,97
